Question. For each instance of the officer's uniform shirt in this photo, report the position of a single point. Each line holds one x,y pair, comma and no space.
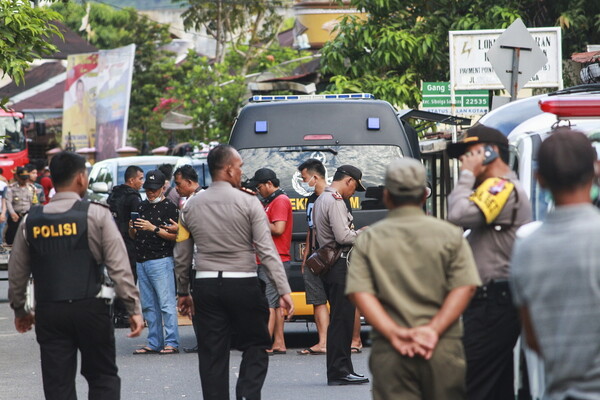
105,243
410,262
20,198
491,243
228,227
332,220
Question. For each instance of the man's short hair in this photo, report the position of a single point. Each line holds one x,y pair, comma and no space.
64,166
218,157
187,172
167,170
313,165
130,172
566,160
30,167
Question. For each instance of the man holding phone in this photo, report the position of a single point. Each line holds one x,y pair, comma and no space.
489,200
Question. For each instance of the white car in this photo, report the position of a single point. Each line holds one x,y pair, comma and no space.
109,173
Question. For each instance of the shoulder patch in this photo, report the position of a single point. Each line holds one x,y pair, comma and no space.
491,196
247,191
337,196
98,203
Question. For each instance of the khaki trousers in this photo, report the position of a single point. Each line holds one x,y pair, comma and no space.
398,377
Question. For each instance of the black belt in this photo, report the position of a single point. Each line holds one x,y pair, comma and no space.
494,289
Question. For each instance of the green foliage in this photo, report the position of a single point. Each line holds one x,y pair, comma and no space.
234,24
24,33
211,95
153,68
402,43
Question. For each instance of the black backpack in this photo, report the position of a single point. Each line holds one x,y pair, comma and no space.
117,200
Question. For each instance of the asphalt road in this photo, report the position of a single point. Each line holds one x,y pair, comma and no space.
290,376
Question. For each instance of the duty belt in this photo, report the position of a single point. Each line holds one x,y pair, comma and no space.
224,274
494,289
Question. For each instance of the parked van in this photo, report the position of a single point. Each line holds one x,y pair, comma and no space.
281,132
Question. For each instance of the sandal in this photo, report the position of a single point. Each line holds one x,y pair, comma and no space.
355,350
169,350
309,351
144,350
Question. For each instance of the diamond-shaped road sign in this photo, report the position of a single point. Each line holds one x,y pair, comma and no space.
516,49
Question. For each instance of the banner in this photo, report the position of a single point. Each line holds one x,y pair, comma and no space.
79,102
115,70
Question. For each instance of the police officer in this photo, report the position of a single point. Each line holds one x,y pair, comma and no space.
489,200
20,196
333,223
63,244
228,227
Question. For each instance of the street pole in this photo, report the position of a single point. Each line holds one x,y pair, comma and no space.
514,78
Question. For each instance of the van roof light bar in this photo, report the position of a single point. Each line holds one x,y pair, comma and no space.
566,107
361,96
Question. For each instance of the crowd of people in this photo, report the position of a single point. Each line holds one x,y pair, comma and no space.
447,300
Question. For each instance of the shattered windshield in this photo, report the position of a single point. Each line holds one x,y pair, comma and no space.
370,159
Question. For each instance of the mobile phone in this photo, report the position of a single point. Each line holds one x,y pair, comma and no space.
490,154
134,215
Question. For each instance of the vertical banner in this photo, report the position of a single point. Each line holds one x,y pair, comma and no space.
115,70
79,116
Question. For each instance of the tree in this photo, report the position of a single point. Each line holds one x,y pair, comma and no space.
402,43
153,68
24,33
252,24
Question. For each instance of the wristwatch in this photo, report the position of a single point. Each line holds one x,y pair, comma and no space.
156,230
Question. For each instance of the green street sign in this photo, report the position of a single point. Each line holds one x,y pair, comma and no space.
436,98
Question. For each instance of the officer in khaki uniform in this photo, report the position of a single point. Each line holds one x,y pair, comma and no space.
411,276
20,196
333,223
490,201
62,244
228,227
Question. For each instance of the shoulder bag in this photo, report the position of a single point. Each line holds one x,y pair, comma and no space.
321,261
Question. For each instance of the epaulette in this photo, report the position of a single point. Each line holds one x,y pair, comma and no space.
247,191
99,203
337,196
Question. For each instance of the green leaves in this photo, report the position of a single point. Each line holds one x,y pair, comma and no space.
405,42
24,33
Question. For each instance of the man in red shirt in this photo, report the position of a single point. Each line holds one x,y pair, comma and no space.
279,212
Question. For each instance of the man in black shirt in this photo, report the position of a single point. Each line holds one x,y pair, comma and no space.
156,279
122,201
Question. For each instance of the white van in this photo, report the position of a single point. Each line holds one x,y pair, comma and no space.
109,173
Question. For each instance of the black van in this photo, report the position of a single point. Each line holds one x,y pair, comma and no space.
281,132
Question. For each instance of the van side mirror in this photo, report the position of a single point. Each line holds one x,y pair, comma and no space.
99,187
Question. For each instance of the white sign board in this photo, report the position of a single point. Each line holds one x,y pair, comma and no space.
471,69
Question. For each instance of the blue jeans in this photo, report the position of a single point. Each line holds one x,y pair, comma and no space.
159,306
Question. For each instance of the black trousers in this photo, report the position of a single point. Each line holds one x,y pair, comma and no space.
492,328
62,329
224,306
341,324
11,229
